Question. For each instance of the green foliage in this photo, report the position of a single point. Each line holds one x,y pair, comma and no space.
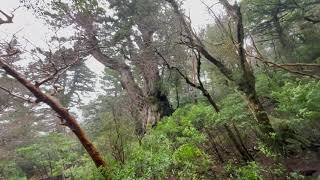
234,108
9,170
184,124
300,100
53,152
297,37
172,148
150,159
191,159
295,176
265,84
249,172
86,171
180,145
86,5
266,150
297,115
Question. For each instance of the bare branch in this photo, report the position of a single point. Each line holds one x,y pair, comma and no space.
8,18
15,95
195,43
199,86
314,21
216,18
247,83
261,58
185,77
11,54
57,72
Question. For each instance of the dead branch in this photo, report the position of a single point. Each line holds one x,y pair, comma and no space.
57,72
15,95
8,18
195,43
261,58
299,64
314,21
11,54
199,86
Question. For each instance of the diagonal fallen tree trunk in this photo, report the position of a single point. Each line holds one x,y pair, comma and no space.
62,112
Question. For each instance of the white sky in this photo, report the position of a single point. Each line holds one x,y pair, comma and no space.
28,26
32,32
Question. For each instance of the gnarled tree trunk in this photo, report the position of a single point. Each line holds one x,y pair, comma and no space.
157,103
151,103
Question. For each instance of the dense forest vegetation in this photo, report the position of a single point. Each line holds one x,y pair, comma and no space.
238,99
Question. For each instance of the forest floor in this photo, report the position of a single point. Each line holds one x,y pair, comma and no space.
307,164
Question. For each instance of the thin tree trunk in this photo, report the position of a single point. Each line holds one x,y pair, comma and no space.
50,165
177,95
241,142
214,146
245,156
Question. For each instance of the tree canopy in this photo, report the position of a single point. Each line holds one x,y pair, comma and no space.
236,99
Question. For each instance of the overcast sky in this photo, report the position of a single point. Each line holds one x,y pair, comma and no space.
32,32
27,26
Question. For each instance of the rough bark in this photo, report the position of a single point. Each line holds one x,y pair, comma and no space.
157,102
246,84
151,102
63,113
